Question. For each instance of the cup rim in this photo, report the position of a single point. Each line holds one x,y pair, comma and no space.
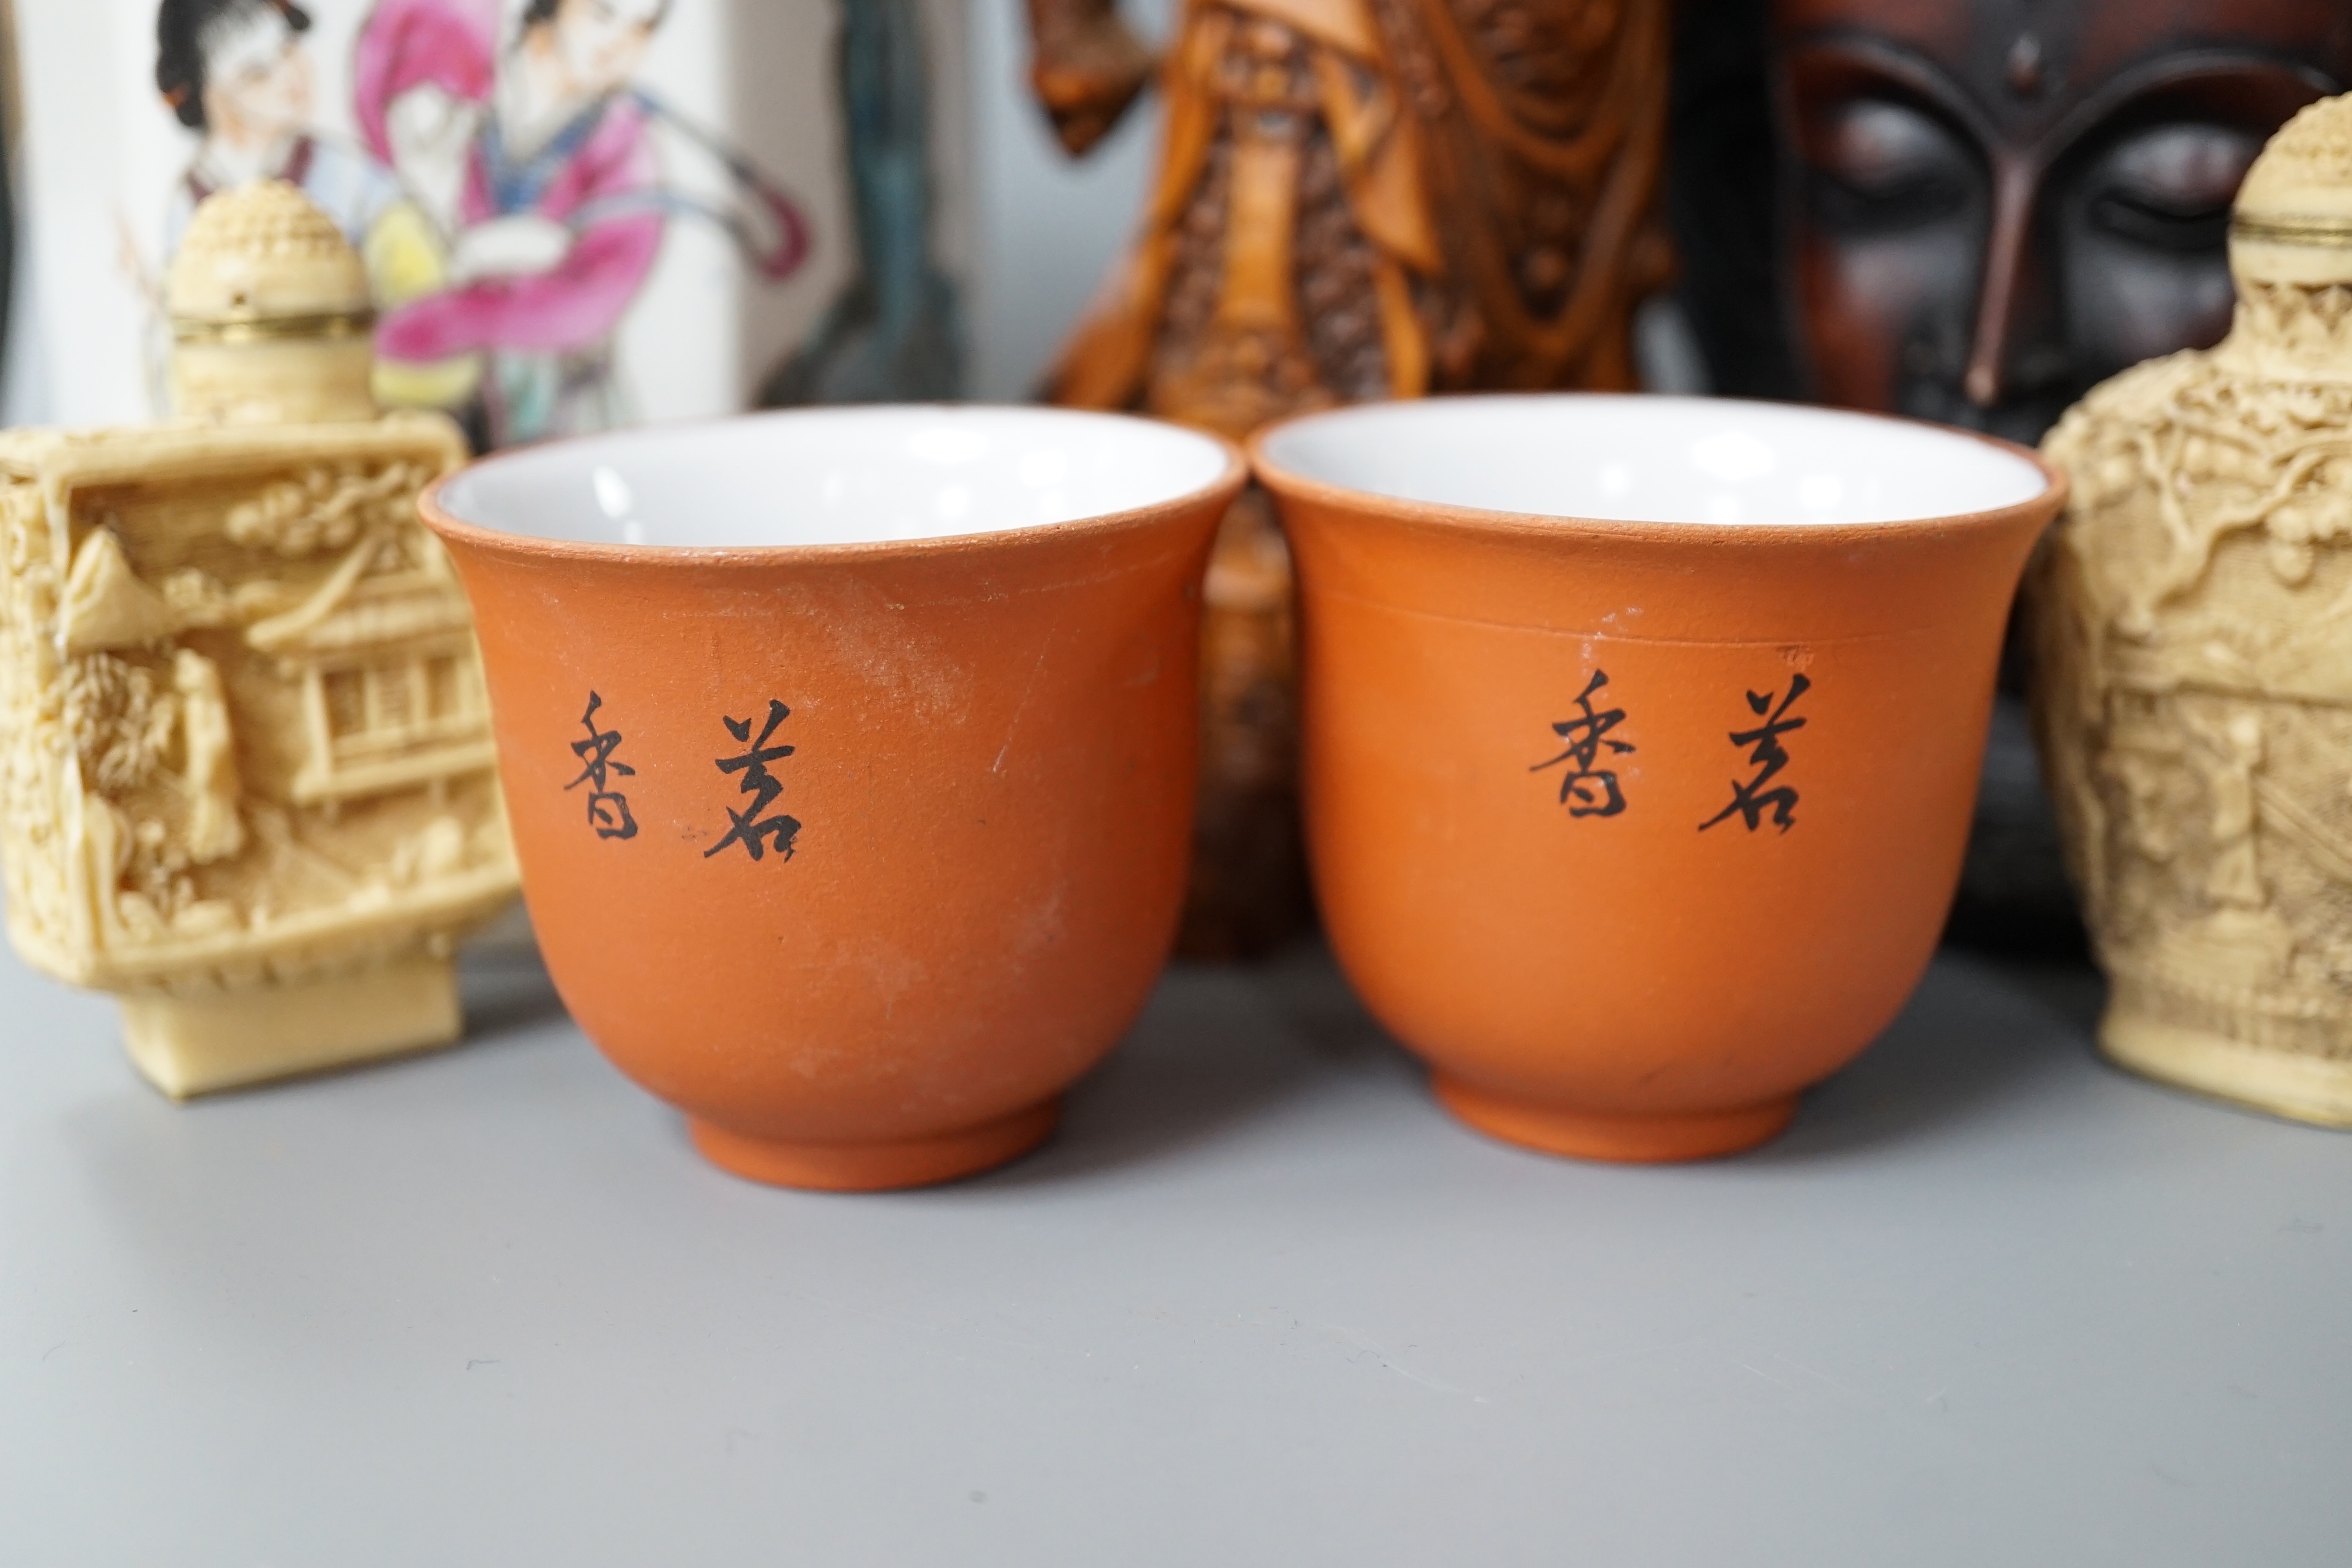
1228,483
1457,517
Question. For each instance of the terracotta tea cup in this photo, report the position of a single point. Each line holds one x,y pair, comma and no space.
1641,739
849,755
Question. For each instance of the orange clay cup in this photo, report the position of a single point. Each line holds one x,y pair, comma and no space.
1641,736
849,755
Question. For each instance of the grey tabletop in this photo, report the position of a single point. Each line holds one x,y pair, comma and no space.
1259,1301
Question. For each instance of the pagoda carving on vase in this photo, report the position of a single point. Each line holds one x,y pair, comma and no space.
247,780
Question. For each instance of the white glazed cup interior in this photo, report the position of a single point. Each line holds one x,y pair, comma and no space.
862,474
1653,460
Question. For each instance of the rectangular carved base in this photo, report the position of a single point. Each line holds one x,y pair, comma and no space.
194,1045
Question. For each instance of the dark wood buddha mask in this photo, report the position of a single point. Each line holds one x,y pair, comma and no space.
1999,203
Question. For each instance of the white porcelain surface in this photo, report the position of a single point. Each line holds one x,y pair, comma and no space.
1654,460
835,476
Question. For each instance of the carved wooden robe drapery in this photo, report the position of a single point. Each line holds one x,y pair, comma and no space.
1381,198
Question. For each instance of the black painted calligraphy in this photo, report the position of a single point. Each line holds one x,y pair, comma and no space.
608,808
754,829
1751,800
1585,789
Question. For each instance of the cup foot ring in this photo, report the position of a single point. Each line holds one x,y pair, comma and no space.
876,1167
1622,1139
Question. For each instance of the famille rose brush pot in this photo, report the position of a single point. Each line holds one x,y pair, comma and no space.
850,757
2192,621
1641,739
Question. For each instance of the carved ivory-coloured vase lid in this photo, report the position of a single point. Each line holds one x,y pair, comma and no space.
245,769
2192,615
271,312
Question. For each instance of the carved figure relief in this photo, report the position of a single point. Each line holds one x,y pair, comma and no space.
247,777
1356,199
2192,625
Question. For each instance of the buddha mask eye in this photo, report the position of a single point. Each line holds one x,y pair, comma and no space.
1875,166
2169,187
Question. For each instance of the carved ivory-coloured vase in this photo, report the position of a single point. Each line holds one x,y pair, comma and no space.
2193,621
247,776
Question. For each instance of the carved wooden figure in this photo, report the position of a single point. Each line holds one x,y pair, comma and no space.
2192,622
1357,199
245,775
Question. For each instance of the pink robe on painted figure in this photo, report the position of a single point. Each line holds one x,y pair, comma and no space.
548,333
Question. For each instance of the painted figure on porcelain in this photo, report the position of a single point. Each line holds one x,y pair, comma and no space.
537,158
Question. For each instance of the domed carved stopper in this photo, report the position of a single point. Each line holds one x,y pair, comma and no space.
271,312
2291,252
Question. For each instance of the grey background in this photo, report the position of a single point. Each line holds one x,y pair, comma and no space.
1259,1302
